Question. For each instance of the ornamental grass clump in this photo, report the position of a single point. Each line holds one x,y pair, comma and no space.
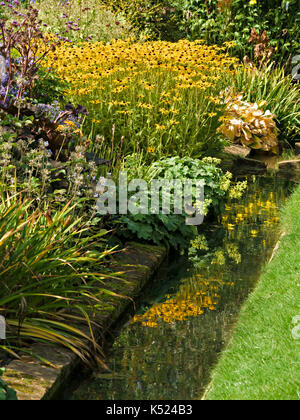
51,278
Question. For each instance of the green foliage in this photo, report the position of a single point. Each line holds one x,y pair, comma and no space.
156,19
26,166
6,393
218,21
96,22
169,230
161,229
48,87
216,183
172,229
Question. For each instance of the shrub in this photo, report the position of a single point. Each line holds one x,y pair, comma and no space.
48,88
217,185
172,230
49,162
218,21
155,19
20,45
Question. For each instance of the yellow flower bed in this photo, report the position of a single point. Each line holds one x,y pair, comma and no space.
188,64
157,94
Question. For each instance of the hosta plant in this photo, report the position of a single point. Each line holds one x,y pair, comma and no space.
248,124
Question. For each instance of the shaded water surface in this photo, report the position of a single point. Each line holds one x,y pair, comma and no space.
169,347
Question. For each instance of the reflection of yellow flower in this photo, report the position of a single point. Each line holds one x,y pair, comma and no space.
195,295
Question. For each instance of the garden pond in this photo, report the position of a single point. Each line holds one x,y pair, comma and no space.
167,349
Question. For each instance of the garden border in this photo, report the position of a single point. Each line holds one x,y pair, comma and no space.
34,380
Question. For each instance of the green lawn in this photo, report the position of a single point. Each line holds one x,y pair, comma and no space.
262,359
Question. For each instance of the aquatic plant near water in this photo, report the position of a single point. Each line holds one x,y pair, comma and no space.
51,274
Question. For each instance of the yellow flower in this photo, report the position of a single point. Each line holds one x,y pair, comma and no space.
254,233
78,131
70,123
160,127
164,111
173,122
145,106
252,2
128,112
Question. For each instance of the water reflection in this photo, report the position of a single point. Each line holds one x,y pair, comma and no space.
172,343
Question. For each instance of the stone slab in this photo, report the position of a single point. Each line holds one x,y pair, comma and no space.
297,148
237,150
289,169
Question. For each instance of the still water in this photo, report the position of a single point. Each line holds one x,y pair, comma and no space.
169,347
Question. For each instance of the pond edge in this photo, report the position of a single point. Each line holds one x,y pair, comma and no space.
34,380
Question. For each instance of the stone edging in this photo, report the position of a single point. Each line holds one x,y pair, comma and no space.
34,380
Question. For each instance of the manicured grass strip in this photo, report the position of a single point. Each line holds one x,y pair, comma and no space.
262,360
